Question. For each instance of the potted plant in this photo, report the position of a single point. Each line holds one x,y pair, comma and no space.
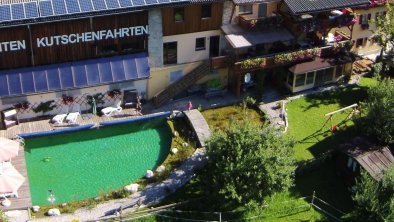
22,105
67,100
114,93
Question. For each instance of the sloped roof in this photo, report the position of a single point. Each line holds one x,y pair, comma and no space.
374,159
311,6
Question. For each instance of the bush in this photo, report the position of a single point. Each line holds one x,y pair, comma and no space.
244,155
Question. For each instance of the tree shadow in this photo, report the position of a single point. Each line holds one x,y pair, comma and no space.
343,96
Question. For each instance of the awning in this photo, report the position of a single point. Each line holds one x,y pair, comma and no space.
316,64
310,6
74,75
240,38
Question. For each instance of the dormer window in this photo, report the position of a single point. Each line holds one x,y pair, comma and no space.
179,14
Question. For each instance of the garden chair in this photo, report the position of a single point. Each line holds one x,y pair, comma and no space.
59,118
73,115
108,111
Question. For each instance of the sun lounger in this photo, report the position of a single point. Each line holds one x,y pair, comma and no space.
73,115
59,118
108,111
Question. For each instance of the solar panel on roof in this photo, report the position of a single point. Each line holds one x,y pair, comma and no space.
31,9
112,3
151,2
46,8
86,5
5,12
59,6
138,2
164,1
125,3
99,4
17,11
72,6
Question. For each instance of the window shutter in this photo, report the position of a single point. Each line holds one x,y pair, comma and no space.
360,19
369,16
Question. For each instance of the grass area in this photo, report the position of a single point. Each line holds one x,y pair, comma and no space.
220,118
306,119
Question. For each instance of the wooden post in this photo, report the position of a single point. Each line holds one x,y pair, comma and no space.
330,128
313,198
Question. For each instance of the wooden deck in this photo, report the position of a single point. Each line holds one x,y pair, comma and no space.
24,199
199,125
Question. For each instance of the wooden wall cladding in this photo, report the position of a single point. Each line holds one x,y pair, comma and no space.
47,46
120,21
19,58
60,53
192,20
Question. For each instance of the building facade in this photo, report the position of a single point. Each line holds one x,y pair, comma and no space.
55,49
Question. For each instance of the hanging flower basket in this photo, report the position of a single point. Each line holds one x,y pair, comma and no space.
68,100
22,105
114,93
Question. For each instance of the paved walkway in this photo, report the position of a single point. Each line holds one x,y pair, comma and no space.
199,124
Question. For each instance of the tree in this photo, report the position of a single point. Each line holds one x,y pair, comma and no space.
375,199
379,106
384,34
247,163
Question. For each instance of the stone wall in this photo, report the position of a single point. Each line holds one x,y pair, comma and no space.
155,40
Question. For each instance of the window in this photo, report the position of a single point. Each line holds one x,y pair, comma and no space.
290,78
300,80
329,75
200,44
170,53
310,76
245,9
339,71
179,14
359,42
206,11
174,76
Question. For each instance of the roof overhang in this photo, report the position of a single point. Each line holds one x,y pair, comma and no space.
79,74
246,2
240,38
313,6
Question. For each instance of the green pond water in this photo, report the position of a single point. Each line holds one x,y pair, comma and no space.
85,164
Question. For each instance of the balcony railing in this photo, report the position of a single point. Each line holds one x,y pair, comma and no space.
286,58
254,23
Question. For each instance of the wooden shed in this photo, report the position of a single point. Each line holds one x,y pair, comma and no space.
361,153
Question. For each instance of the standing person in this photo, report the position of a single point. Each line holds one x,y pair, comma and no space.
189,105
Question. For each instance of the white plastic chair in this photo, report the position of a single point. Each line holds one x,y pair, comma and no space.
73,115
108,111
59,118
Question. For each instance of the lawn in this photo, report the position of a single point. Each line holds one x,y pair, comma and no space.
306,119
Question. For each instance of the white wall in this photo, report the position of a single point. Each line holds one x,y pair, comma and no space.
186,46
35,99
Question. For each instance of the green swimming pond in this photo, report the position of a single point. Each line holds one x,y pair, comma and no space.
85,164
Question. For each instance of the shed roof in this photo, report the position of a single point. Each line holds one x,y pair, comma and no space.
374,159
311,6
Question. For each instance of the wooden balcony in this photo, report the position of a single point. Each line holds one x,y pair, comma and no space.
290,57
251,22
219,62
